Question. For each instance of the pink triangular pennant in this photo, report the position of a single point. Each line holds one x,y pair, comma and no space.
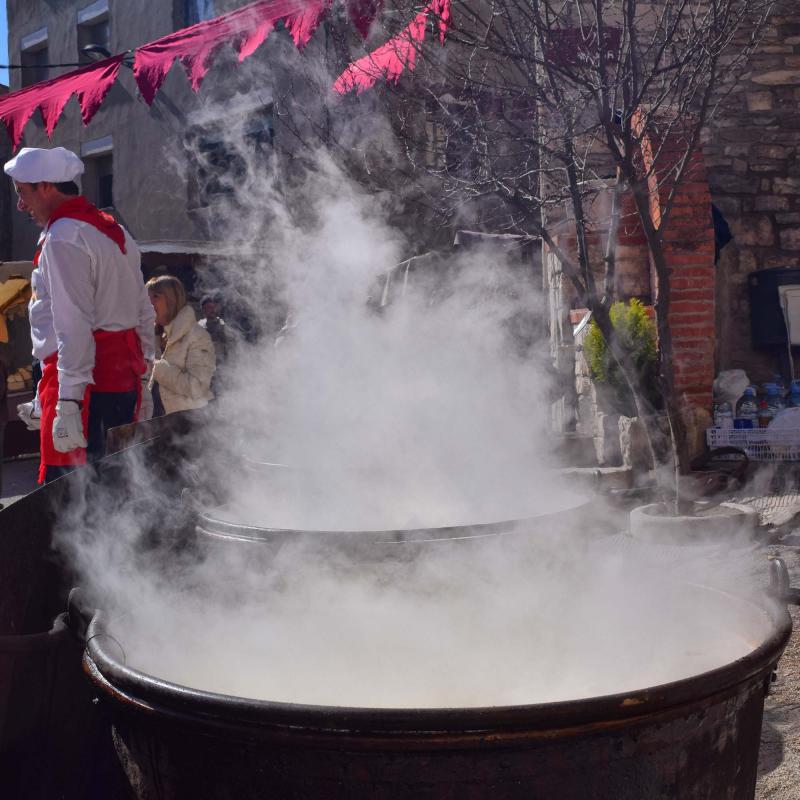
245,28
302,24
251,41
92,94
51,111
150,68
16,120
198,63
90,84
388,62
441,9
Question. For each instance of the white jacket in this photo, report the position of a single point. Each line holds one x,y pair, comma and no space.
40,316
91,285
185,369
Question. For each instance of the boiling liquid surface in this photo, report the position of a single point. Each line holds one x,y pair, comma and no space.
298,499
453,631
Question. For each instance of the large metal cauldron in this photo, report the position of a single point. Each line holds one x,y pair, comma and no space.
212,527
54,741
694,738
218,522
221,525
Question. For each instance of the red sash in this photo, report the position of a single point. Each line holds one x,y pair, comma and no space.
118,361
119,364
81,209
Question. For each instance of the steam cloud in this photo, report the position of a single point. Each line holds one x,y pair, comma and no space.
428,411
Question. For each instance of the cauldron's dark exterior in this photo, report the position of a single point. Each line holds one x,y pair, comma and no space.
695,738
54,741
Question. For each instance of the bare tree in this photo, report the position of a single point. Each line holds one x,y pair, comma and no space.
532,101
534,106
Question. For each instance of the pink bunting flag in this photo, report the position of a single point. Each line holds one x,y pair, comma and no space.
302,24
441,10
245,28
90,83
195,47
388,62
362,14
249,42
397,55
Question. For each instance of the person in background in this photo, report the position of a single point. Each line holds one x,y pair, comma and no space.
184,370
91,321
219,333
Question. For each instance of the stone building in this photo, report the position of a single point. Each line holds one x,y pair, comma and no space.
153,166
6,193
749,171
753,160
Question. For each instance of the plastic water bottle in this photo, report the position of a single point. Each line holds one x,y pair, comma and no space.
764,414
774,399
747,409
723,415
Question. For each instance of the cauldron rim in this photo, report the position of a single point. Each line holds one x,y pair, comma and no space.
215,527
150,693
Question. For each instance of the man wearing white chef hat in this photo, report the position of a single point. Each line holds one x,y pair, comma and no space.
91,318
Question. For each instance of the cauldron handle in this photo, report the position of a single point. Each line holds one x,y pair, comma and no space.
779,582
79,613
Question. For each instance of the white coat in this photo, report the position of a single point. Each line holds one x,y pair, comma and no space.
91,285
40,316
186,366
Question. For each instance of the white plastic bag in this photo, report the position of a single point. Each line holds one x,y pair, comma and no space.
730,385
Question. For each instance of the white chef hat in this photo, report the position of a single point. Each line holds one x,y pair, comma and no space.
34,164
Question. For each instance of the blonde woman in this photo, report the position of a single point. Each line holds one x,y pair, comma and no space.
183,372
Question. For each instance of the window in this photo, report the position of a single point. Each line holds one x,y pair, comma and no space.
92,34
93,28
104,171
195,11
464,133
98,176
34,57
221,155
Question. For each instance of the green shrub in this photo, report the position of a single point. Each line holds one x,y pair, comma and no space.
637,335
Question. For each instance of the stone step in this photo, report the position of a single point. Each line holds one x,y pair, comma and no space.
575,449
599,479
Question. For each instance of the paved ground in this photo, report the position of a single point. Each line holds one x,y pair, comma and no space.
779,758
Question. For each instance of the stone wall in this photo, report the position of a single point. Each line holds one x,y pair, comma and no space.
754,172
8,198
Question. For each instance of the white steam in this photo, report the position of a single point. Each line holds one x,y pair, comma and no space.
465,625
429,411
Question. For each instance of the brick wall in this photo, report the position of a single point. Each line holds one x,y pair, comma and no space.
689,249
688,234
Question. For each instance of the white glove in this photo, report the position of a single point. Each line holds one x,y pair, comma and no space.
31,414
146,404
68,427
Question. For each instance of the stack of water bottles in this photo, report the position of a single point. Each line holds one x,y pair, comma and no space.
747,426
